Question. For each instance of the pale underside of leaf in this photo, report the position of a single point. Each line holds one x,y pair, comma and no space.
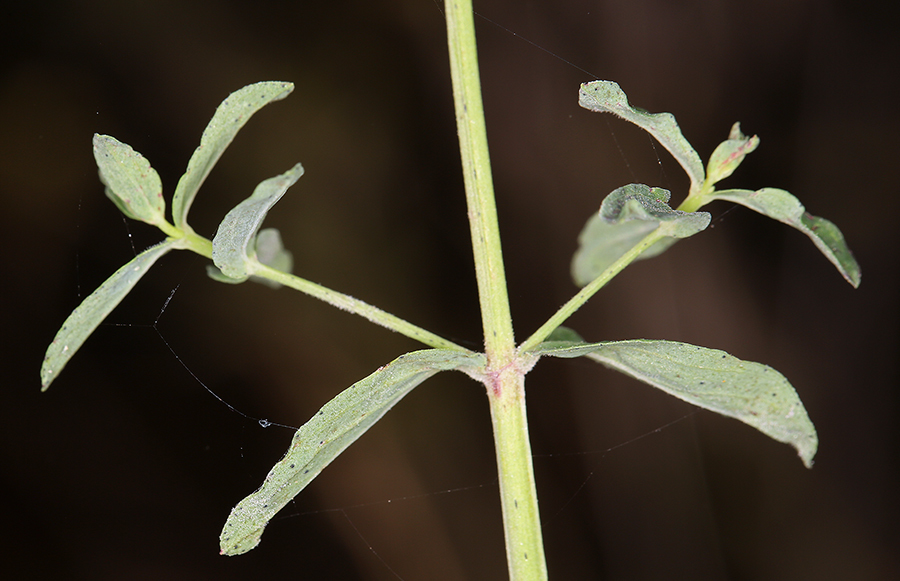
337,425
751,392
93,309
228,119
234,244
130,182
270,251
626,216
784,207
608,97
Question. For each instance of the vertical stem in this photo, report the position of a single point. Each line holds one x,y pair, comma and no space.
518,492
505,375
473,147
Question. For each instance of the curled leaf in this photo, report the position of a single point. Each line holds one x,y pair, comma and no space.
784,207
607,97
626,216
234,251
269,251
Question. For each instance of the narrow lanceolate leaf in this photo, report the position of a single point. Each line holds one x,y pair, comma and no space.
337,425
226,122
130,182
729,155
751,392
607,97
626,216
234,246
92,310
784,207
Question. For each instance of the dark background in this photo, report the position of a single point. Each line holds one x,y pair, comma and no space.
126,468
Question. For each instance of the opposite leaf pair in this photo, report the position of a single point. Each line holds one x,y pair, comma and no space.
634,221
632,212
136,190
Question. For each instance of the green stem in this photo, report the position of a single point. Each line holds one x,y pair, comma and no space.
489,272
504,376
518,492
196,243
588,291
358,307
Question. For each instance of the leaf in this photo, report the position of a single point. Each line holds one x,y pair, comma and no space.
234,251
228,119
751,392
626,216
784,207
729,155
320,440
607,97
269,251
130,182
93,309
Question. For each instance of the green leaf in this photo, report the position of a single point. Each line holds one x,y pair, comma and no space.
130,182
269,251
216,274
224,125
607,97
626,216
751,392
320,440
234,246
784,207
92,310
729,155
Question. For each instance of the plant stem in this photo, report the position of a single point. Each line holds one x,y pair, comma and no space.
358,307
518,492
504,376
573,304
203,247
489,272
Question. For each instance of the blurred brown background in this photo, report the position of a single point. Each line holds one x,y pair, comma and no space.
127,467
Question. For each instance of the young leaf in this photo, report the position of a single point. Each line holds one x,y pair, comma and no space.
784,207
729,154
224,125
92,310
626,216
234,244
320,440
751,392
607,97
130,182
271,252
